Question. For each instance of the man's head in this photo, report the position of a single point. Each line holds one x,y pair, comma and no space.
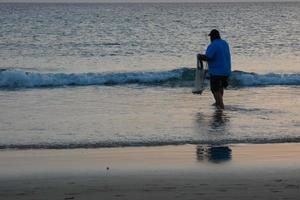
214,34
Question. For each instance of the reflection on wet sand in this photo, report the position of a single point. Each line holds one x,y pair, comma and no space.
215,154
217,123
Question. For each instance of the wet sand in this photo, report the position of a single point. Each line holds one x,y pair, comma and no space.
240,171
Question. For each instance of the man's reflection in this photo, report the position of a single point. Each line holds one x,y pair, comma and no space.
215,123
219,121
215,154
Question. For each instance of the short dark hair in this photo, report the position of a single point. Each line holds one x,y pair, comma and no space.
214,34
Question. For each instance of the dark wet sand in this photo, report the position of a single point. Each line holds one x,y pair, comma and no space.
242,171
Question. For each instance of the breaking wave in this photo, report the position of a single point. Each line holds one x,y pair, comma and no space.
16,78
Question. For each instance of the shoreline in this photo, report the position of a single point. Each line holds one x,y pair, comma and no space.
244,171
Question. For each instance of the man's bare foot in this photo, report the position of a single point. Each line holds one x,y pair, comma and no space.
220,107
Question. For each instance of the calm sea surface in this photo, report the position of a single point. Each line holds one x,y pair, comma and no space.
104,75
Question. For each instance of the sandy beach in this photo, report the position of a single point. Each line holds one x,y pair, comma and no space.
240,171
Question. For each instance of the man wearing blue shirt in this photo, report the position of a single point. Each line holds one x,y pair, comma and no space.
219,65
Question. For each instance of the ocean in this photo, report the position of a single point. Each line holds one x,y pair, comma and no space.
118,75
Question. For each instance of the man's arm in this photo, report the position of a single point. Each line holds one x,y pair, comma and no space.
202,57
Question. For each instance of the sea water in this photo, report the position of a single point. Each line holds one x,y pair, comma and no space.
106,75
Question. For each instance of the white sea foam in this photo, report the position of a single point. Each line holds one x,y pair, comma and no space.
252,79
22,79
145,142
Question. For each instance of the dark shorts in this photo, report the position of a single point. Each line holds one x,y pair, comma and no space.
218,83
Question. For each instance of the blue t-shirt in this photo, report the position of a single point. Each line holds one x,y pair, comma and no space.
219,61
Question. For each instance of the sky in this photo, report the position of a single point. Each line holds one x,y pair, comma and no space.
112,1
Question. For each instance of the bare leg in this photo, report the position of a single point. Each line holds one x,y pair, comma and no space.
222,91
219,99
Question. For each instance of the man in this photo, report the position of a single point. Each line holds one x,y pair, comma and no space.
219,65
